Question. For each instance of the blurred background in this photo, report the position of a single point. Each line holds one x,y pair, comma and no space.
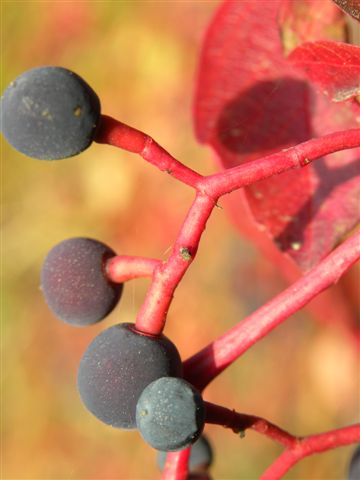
141,57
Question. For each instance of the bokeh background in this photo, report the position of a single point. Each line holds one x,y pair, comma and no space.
141,57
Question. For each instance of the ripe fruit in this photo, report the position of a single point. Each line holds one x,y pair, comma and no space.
49,113
117,366
74,282
170,414
201,456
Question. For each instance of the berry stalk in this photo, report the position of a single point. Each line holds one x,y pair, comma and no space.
204,366
122,268
239,422
113,132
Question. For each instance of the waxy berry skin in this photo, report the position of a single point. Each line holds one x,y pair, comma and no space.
49,113
74,282
170,414
117,366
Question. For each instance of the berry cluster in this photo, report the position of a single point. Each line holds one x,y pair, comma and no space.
127,378
131,376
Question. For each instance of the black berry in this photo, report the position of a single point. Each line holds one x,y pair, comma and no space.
49,113
116,368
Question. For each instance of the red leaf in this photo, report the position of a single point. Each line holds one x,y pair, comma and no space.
251,101
334,66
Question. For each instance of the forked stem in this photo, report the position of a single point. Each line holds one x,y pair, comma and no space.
311,445
152,315
203,367
296,448
113,132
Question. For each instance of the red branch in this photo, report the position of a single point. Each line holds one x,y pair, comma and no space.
309,446
204,366
113,132
176,465
122,268
166,276
239,422
293,157
213,359
296,448
152,315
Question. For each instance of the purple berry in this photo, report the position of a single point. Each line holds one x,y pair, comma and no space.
74,282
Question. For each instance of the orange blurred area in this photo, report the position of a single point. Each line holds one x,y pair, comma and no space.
140,57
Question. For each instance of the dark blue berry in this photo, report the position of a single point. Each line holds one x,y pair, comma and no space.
170,414
49,113
117,366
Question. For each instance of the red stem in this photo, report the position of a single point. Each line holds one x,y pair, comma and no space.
152,315
213,359
293,157
239,422
123,136
176,465
113,132
309,446
297,448
122,268
204,366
